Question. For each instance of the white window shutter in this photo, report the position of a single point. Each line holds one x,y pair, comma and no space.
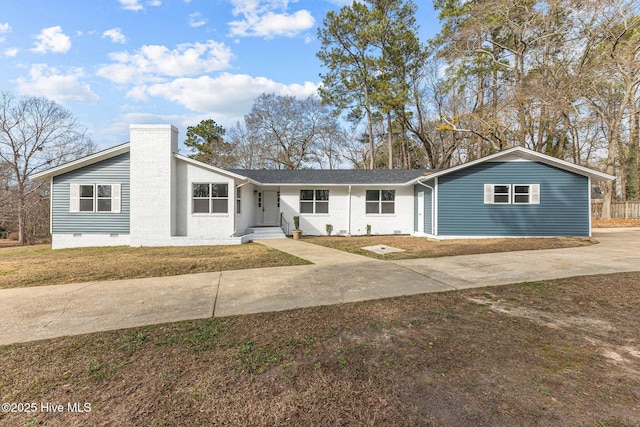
115,198
488,194
535,194
74,198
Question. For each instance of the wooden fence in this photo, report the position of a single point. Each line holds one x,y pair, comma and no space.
627,210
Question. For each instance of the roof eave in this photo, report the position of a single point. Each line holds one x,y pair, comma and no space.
215,169
82,162
529,155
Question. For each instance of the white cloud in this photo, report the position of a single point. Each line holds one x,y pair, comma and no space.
196,20
4,29
131,4
49,82
227,94
115,34
136,5
154,63
52,39
268,19
12,52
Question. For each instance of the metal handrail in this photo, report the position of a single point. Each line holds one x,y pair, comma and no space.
285,228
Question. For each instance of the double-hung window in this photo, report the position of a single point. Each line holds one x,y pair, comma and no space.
94,198
314,201
517,194
380,201
210,198
238,200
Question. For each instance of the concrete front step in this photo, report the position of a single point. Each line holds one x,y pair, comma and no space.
257,233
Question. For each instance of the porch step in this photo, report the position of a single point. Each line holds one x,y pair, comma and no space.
265,233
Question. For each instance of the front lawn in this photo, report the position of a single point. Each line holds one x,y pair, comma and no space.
420,247
39,265
553,353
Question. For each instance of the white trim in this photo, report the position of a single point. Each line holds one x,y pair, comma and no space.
51,205
589,204
420,225
436,237
215,169
82,162
533,193
74,198
492,192
210,199
526,154
116,198
343,184
435,207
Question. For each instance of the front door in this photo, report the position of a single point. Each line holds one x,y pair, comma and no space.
421,212
270,210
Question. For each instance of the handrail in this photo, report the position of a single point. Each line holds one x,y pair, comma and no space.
286,224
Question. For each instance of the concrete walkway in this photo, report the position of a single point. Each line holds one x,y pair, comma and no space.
28,314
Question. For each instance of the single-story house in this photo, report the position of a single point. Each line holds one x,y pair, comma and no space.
145,193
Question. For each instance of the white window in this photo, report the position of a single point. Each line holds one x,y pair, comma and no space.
210,198
497,194
314,201
526,194
94,198
518,194
238,200
380,201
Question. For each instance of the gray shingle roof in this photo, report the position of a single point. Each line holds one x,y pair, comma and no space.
335,176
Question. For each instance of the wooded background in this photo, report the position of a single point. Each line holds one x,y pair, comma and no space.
560,77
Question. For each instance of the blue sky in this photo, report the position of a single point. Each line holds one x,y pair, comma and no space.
117,62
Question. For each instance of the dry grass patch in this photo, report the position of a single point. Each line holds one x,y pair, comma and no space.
553,353
419,247
615,223
39,265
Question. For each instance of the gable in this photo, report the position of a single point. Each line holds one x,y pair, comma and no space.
562,209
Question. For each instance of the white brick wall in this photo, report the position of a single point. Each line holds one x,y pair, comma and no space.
219,226
63,241
356,220
152,184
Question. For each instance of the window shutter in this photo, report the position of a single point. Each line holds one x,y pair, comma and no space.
74,198
115,198
488,194
535,194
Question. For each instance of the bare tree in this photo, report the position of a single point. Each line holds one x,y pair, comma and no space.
35,134
289,130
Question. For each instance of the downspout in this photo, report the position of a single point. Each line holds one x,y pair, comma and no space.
51,207
433,213
235,212
589,203
349,214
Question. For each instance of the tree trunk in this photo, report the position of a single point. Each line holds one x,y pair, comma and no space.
390,140
370,129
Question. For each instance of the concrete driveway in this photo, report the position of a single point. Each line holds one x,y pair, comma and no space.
29,314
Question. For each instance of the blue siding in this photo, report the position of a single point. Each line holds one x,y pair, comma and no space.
428,209
111,171
563,208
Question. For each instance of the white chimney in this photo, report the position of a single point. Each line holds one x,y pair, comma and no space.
153,184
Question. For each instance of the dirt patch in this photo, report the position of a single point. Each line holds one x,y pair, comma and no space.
420,247
553,353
